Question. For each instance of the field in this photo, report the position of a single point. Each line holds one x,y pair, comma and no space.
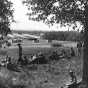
51,75
31,48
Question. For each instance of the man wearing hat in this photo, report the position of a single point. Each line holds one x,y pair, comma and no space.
20,52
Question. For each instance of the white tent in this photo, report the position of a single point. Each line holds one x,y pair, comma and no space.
30,36
17,35
10,36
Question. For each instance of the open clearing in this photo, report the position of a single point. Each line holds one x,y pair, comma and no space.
31,48
52,75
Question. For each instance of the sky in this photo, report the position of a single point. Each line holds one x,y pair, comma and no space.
22,22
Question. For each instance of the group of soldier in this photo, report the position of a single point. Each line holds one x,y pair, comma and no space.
72,52
24,60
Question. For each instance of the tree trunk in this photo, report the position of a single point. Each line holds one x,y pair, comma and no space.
84,83
85,60
85,50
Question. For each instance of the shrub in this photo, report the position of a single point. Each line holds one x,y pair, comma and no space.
54,56
56,44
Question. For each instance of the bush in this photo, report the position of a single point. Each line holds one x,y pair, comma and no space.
8,44
62,35
56,44
54,56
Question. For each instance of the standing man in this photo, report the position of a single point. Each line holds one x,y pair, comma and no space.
20,53
72,52
79,46
73,77
73,80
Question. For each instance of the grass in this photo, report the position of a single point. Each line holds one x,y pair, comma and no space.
30,48
51,75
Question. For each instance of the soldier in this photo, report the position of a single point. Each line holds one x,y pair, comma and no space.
73,80
72,52
25,60
73,77
62,87
20,53
79,46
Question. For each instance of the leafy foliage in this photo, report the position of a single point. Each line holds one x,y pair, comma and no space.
6,16
57,11
63,36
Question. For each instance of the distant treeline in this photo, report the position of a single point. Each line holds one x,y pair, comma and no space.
62,35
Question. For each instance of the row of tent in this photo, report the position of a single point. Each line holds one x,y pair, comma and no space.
22,36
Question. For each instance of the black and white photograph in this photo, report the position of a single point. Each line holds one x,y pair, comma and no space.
43,43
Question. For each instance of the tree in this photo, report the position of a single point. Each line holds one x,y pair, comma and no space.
65,12
6,16
63,35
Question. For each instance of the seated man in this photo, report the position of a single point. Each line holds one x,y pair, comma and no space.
73,80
